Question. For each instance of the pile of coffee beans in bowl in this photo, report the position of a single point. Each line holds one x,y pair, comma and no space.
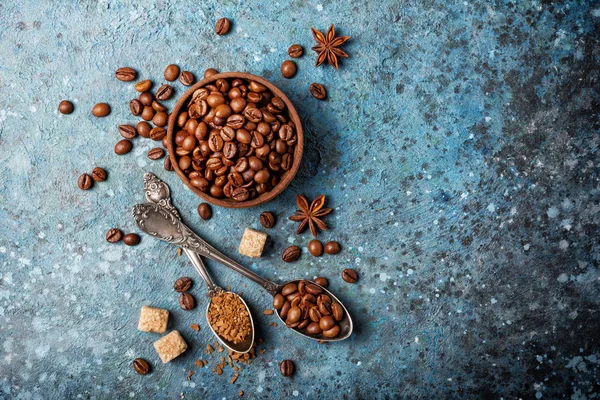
234,139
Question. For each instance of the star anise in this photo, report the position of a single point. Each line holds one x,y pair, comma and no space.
310,215
328,47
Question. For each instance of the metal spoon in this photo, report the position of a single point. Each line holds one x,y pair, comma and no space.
157,192
160,222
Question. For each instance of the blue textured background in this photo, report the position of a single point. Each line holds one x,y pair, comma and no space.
459,147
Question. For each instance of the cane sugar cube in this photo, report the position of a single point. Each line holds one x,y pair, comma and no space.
153,319
170,346
253,243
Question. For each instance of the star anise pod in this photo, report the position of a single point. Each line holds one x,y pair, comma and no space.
328,46
310,215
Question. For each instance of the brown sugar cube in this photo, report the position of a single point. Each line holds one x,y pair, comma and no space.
253,243
170,346
153,319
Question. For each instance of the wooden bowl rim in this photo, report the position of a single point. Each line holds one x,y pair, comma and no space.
265,197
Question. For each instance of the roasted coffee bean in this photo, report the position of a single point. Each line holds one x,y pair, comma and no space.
227,134
147,99
204,210
186,78
240,194
337,311
295,51
156,153
287,161
101,110
326,323
123,147
314,314
313,289
332,247
185,162
333,332
200,183
143,129
171,72
278,301
210,72
167,165
114,235
322,281
98,174
85,182
158,107
284,310
267,219
222,26
294,314
318,91
127,131
288,69
286,368
136,107
157,133
160,119
141,366
315,248
253,114
183,284
148,113
143,86
164,92
349,275
291,254
126,74
229,150
131,239
186,301
65,107
313,329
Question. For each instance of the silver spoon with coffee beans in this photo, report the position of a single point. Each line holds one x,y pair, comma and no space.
306,307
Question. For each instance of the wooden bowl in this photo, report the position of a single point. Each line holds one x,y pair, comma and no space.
227,202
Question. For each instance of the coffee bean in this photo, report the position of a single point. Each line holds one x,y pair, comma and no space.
322,281
98,174
332,247
65,107
125,74
156,153
291,254
127,131
337,311
278,301
136,107
204,209
143,129
267,219
164,92
85,182
114,235
101,110
157,133
240,194
349,275
171,72
147,99
315,248
288,69
222,26
326,323
143,86
148,113
131,239
210,72
186,78
295,51
141,366
168,166
186,301
318,91
158,107
183,284
123,147
286,368
313,329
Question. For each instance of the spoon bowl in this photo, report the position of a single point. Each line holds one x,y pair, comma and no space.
243,346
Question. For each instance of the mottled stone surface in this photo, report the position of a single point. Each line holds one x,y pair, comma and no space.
459,148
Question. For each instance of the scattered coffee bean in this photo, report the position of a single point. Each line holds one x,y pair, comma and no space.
148,113
136,107
295,51
156,153
101,110
85,182
123,147
205,211
147,99
315,248
332,247
286,368
186,78
160,119
210,72
267,219
143,86
222,26
98,174
171,72
143,129
167,164
288,69
126,74
131,239
157,133
141,366
318,91
65,107
114,235
186,301
349,275
183,284
164,92
322,281
291,254
158,107
127,131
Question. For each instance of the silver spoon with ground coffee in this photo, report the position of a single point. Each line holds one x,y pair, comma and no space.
306,307
227,313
